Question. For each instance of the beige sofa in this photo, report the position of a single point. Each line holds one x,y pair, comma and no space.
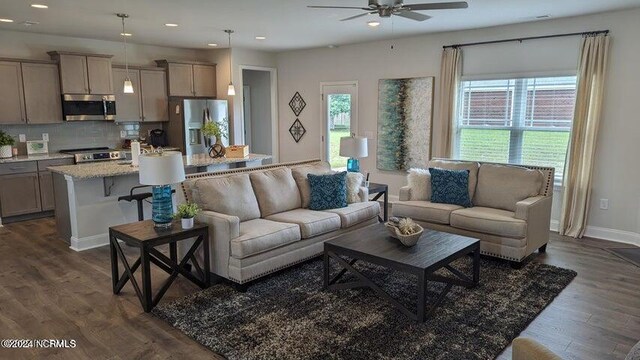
511,212
259,221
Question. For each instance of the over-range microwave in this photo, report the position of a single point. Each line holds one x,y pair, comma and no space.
88,107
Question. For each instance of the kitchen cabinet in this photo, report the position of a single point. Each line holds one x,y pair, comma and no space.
84,73
19,194
190,79
127,105
41,93
155,103
11,94
47,198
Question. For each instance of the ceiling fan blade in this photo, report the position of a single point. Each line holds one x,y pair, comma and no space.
412,15
355,17
438,6
337,7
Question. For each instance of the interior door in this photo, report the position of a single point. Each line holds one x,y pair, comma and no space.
246,103
340,116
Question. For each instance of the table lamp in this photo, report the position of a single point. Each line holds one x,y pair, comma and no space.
161,170
354,147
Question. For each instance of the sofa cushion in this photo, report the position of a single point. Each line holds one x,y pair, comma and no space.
450,187
460,165
231,195
356,213
311,223
425,211
260,235
328,191
354,182
419,180
501,186
300,176
276,191
489,221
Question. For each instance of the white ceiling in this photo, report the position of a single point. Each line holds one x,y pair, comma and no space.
287,24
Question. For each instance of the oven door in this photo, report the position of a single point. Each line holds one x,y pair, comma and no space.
89,107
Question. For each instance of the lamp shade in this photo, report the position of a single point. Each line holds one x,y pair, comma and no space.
353,147
161,168
128,86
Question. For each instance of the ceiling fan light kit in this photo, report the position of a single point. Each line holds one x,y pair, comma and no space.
398,8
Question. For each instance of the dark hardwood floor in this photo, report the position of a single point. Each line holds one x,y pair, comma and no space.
49,291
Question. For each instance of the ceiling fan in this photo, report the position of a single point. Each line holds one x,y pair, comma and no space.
397,8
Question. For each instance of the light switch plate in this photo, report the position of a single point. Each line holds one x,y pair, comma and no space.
22,138
123,134
45,136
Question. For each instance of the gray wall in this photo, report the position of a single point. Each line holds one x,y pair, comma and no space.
260,85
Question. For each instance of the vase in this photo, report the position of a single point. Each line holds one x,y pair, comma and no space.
5,151
187,223
217,150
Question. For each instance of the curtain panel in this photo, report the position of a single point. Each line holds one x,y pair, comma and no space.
450,72
592,66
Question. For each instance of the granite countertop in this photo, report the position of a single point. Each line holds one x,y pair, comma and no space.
22,158
119,168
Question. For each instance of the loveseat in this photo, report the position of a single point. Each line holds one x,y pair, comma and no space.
259,221
511,206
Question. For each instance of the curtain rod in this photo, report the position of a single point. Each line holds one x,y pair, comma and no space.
587,33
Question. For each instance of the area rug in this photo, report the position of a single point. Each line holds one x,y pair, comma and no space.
289,316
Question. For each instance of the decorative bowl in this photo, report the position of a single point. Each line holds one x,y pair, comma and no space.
406,240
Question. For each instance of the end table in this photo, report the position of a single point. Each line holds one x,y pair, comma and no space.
380,190
146,238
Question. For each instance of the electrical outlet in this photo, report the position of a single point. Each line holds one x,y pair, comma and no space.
123,134
22,138
604,204
45,137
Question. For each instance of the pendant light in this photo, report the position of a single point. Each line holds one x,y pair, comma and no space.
231,91
128,85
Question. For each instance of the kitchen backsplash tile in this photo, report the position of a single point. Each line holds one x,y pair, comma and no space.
79,134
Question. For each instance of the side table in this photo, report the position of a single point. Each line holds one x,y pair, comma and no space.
146,238
381,190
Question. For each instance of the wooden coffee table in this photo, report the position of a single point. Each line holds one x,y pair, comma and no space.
435,250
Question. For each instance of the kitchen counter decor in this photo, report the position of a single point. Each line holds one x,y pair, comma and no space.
6,143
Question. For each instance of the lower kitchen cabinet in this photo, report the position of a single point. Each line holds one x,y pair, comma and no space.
47,198
19,194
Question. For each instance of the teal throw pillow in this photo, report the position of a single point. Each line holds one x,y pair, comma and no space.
450,187
328,191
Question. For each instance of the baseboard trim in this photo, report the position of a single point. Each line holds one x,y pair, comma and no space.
89,242
620,236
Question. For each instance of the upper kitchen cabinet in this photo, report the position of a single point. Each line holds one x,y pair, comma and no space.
127,105
190,79
11,94
155,104
41,93
84,74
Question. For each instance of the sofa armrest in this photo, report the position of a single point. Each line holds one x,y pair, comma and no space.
529,349
222,229
526,207
405,193
363,193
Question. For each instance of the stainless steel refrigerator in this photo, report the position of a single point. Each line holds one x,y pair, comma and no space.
186,117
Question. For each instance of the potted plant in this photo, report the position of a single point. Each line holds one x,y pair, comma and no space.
6,142
217,130
186,213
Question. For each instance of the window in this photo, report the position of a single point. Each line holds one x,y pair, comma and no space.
518,121
340,112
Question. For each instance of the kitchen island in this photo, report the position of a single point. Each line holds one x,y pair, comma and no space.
86,195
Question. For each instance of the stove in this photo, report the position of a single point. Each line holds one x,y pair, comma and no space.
95,154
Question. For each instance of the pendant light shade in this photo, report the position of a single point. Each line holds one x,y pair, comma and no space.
128,85
231,90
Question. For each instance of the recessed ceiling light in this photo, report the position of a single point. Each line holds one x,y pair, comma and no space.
170,25
373,23
212,44
6,20
126,34
261,38
39,6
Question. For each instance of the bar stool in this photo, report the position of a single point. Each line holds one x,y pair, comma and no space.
139,198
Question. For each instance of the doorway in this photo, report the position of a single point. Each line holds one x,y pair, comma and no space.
340,119
259,124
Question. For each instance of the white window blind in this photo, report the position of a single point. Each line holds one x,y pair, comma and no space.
518,121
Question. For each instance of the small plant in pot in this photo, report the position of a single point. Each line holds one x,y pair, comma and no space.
218,130
6,142
186,213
